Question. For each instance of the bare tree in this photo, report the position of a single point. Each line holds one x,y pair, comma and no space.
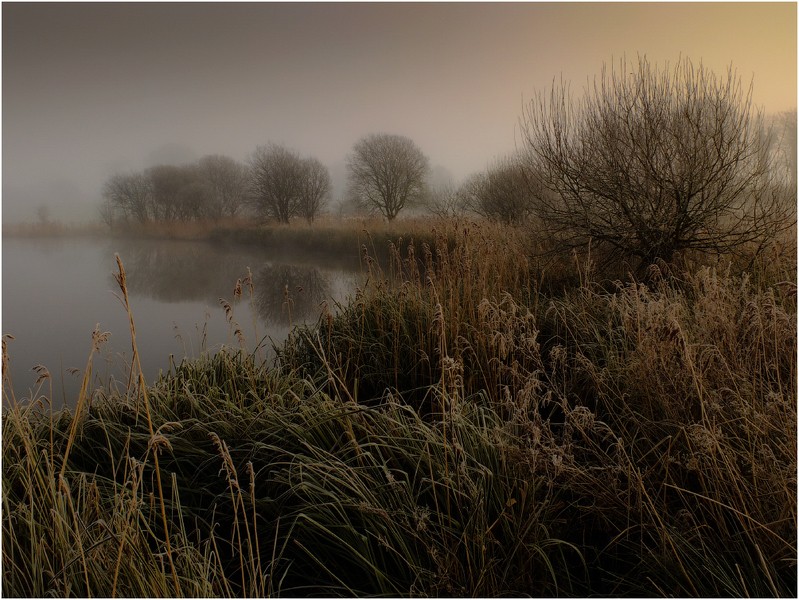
445,201
130,194
108,212
169,198
276,176
386,172
226,181
194,197
501,193
651,162
314,188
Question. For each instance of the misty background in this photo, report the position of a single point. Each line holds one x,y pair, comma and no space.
95,89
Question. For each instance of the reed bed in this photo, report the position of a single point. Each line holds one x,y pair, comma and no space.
469,424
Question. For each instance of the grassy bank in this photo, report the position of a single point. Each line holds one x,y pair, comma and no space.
361,239
468,425
53,229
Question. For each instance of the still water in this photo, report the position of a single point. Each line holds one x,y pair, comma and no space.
56,291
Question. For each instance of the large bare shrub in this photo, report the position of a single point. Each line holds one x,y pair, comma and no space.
652,161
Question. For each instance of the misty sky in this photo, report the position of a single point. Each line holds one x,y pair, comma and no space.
94,89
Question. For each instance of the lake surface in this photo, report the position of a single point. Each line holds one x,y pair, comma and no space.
56,290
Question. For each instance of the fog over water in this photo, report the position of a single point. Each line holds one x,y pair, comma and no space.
94,89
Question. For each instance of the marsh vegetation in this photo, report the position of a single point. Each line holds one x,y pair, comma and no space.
470,423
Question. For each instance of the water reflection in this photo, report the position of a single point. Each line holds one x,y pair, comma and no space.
286,294
283,293
181,271
55,293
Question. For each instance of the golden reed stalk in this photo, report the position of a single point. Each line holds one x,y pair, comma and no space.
141,389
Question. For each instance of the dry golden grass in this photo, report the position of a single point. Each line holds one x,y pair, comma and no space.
53,229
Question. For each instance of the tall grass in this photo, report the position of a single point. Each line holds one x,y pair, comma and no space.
680,402
666,412
466,425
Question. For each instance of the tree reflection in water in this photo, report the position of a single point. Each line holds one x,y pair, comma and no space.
288,294
174,288
171,271
284,294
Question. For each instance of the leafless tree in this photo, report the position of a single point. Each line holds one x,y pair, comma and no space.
276,176
386,172
314,188
108,212
194,197
650,162
501,193
445,201
226,182
166,182
130,194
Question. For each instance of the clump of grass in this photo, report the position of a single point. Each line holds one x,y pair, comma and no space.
70,530
665,412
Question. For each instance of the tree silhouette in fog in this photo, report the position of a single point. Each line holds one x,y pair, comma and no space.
177,193
130,195
386,172
314,189
283,185
213,187
500,193
226,182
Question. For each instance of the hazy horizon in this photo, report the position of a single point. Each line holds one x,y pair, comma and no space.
94,89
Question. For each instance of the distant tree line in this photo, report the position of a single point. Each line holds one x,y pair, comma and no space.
386,173
214,187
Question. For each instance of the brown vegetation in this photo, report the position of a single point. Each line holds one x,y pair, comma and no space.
468,424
